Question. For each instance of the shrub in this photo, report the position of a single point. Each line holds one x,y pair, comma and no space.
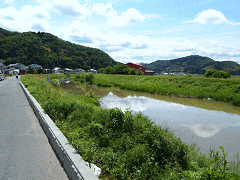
139,72
31,71
59,108
80,77
189,75
89,77
236,100
132,71
221,74
210,72
116,119
217,74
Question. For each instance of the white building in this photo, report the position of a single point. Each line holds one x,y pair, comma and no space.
78,71
92,70
57,70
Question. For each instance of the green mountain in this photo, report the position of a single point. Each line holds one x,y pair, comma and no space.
48,50
193,65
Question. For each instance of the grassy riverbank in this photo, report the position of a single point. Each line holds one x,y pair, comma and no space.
227,90
123,145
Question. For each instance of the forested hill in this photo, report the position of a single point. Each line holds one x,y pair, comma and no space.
48,50
193,64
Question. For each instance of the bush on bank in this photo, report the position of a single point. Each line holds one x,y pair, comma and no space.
217,73
123,145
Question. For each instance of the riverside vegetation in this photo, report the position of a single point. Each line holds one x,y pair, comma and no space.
190,86
122,144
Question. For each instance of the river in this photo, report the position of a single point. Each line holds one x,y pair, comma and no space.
206,128
208,124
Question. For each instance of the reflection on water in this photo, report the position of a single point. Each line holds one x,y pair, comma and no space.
203,130
192,124
82,88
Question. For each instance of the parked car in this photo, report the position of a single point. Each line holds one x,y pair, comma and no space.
1,76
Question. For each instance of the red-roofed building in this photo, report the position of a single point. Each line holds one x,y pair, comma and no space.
137,67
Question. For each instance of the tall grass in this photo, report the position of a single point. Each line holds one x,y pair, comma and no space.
123,145
226,90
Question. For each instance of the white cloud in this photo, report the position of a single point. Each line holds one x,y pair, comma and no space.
81,32
45,4
125,47
28,18
130,17
109,41
68,8
10,2
28,12
210,16
104,9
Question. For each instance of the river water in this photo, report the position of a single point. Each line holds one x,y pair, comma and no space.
208,124
206,128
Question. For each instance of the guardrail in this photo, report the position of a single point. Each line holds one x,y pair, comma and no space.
73,164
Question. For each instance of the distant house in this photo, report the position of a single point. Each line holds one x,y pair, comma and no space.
92,70
149,72
57,70
67,70
78,70
16,68
137,67
35,66
141,68
181,74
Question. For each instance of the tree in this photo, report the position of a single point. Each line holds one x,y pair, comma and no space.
31,71
138,72
217,73
210,72
120,69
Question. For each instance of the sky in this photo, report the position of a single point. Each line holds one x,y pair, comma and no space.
134,30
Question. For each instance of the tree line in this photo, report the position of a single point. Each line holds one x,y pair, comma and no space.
48,51
120,69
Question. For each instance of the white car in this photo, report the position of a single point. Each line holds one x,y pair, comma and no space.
1,76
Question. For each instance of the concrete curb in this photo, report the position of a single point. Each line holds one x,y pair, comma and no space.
72,162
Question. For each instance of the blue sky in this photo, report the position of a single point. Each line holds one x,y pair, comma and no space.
134,30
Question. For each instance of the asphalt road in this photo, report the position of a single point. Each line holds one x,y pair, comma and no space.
25,152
